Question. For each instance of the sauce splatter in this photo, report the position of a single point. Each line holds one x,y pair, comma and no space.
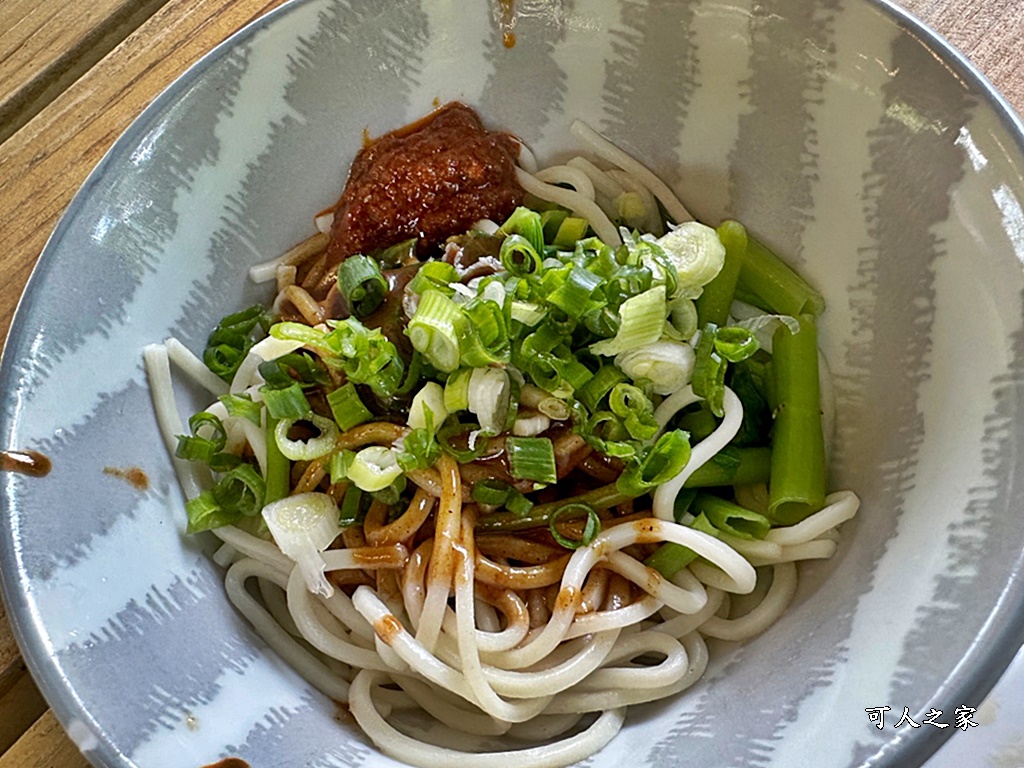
31,463
508,23
138,478
387,627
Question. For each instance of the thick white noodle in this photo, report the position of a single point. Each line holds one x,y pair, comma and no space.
780,595
819,549
276,637
193,478
194,368
395,743
564,174
839,507
259,549
608,151
672,405
682,624
602,182
665,495
527,161
575,202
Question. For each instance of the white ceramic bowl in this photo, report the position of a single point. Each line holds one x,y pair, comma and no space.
856,143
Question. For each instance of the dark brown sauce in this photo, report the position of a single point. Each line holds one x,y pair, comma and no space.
31,463
133,475
229,762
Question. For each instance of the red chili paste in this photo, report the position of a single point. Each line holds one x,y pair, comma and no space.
429,180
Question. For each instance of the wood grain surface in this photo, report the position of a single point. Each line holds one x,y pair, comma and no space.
68,89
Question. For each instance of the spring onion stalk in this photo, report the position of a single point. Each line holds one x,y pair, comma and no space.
531,458
797,486
351,511
735,344
740,466
641,320
709,371
670,558
435,330
347,407
303,526
428,410
361,284
731,518
773,285
306,450
714,302
374,468
697,254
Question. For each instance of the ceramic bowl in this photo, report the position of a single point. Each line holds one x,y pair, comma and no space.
853,141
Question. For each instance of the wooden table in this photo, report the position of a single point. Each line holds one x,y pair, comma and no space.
74,75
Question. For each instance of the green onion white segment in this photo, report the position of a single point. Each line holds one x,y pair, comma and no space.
474,659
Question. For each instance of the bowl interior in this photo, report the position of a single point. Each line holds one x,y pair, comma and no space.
850,140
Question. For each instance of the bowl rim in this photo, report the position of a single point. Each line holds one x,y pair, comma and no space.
1002,643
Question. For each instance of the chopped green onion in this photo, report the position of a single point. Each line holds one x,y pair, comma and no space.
287,403
285,370
592,393
661,463
230,342
392,494
518,256
476,444
709,371
667,365
306,450
735,344
347,407
365,355
573,296
361,284
239,493
571,511
428,410
419,450
196,447
374,468
456,390
570,230
527,224
399,254
352,509
486,338
490,393
697,255
641,320
435,330
339,464
551,220
732,518
635,409
517,503
494,493
531,458
242,407
434,275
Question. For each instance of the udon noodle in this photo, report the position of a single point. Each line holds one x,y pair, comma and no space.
455,639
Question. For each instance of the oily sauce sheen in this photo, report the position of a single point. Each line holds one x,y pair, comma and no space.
427,180
31,463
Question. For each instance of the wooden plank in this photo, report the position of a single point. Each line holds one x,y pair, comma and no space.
10,661
44,745
20,707
44,163
45,45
